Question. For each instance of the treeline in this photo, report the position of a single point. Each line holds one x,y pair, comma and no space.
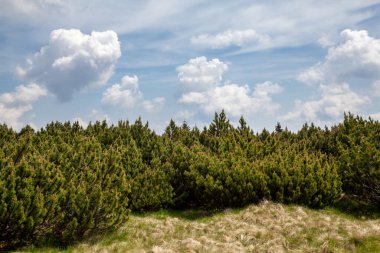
64,182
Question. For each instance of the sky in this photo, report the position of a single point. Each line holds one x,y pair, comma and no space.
270,61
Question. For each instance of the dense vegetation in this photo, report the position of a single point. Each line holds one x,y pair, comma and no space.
64,182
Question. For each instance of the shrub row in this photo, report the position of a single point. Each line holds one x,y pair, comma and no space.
64,182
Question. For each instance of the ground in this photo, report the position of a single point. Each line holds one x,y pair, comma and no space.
267,227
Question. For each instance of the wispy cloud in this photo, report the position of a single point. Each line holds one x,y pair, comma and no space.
229,38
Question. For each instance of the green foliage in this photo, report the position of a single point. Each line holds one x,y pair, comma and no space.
52,188
95,196
151,188
302,178
65,182
358,145
29,192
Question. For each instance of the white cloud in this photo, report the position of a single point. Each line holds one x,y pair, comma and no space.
32,7
80,121
376,88
199,74
357,56
312,76
334,100
11,115
264,89
153,105
325,41
184,115
23,94
168,14
91,117
232,38
95,115
73,61
127,94
13,105
375,116
37,17
236,100
204,88
177,24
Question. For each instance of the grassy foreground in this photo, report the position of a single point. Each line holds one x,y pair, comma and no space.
267,227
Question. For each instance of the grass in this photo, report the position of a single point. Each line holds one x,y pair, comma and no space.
267,227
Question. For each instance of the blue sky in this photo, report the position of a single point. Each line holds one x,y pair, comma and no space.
270,61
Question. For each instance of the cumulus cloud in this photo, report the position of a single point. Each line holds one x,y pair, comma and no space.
13,105
232,38
235,99
23,94
356,56
11,115
334,100
73,61
204,88
127,94
199,74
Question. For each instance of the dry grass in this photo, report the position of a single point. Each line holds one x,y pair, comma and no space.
267,227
